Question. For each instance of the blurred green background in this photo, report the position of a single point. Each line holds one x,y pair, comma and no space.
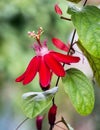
17,17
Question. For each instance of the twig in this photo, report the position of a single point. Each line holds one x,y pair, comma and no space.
51,127
22,123
68,19
62,121
60,127
85,2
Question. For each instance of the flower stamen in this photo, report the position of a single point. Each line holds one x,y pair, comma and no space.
36,35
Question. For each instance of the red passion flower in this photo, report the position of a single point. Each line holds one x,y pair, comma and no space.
46,62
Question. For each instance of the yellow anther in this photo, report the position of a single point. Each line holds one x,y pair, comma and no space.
36,35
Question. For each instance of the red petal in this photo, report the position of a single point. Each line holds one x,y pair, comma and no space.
58,10
31,63
44,73
54,65
31,70
65,58
59,44
20,78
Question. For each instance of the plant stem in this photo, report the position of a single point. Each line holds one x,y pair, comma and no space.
65,18
60,127
72,40
51,127
22,123
73,36
85,2
53,100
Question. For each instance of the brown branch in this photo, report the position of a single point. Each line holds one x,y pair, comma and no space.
68,19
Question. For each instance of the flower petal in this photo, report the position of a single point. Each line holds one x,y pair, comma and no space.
54,65
31,70
60,45
65,58
44,73
20,78
58,10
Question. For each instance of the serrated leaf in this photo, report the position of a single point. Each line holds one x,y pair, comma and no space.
75,1
80,91
93,61
36,102
87,24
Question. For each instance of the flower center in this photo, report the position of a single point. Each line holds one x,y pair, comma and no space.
40,48
43,51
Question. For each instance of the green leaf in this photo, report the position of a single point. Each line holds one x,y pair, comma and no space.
93,61
34,103
80,91
87,24
75,1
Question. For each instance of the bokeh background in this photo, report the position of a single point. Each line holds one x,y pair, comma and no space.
17,17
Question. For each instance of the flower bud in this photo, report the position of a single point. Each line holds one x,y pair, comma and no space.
52,115
39,120
58,10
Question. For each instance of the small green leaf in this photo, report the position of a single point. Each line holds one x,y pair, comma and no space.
87,24
75,1
34,103
80,91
